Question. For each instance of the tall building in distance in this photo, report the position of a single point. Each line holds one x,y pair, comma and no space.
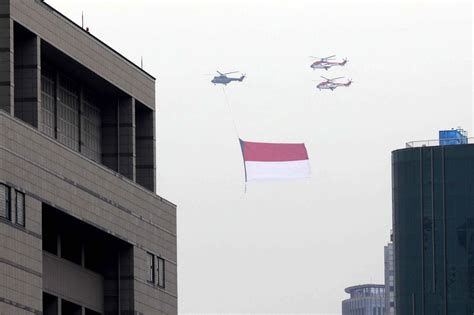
81,228
366,299
389,271
433,211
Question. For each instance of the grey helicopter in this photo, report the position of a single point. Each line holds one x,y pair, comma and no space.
326,63
222,78
329,84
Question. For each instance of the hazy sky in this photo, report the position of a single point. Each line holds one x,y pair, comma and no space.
288,246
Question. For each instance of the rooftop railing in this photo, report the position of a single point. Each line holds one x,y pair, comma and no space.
437,142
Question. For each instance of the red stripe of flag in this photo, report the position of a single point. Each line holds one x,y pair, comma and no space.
274,152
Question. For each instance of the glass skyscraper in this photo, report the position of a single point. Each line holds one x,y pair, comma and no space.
433,213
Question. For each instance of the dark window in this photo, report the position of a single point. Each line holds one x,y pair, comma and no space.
50,304
50,241
5,204
71,248
91,127
91,312
151,268
70,308
161,272
20,208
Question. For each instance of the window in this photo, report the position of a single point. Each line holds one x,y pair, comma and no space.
151,268
161,272
5,204
20,208
156,276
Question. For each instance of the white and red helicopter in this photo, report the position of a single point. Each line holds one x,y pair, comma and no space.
326,63
329,84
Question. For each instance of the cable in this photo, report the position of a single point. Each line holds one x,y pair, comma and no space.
231,113
235,128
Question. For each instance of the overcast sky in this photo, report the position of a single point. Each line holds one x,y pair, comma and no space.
288,247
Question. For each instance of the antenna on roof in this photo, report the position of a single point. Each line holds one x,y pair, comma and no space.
141,64
82,19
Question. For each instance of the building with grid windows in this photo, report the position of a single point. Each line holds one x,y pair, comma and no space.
389,270
366,299
433,221
81,228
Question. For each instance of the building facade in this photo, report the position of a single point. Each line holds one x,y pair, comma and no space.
389,271
366,299
433,200
81,228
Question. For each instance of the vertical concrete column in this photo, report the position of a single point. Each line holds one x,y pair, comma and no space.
27,75
145,147
6,58
110,148
126,137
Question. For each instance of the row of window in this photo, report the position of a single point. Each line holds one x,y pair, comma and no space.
156,270
12,209
62,118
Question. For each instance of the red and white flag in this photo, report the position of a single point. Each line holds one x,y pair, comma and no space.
265,161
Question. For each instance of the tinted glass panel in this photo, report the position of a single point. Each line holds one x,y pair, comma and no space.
161,272
20,208
5,210
91,127
68,113
48,92
151,267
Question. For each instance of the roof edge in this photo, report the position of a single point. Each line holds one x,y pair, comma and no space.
49,7
360,286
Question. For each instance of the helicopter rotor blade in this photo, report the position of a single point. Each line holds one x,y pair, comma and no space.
231,72
219,72
324,58
328,58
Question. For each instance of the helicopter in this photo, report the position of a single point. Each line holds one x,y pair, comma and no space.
222,78
329,84
325,63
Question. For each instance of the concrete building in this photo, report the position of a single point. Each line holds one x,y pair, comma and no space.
433,198
81,228
366,299
389,271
